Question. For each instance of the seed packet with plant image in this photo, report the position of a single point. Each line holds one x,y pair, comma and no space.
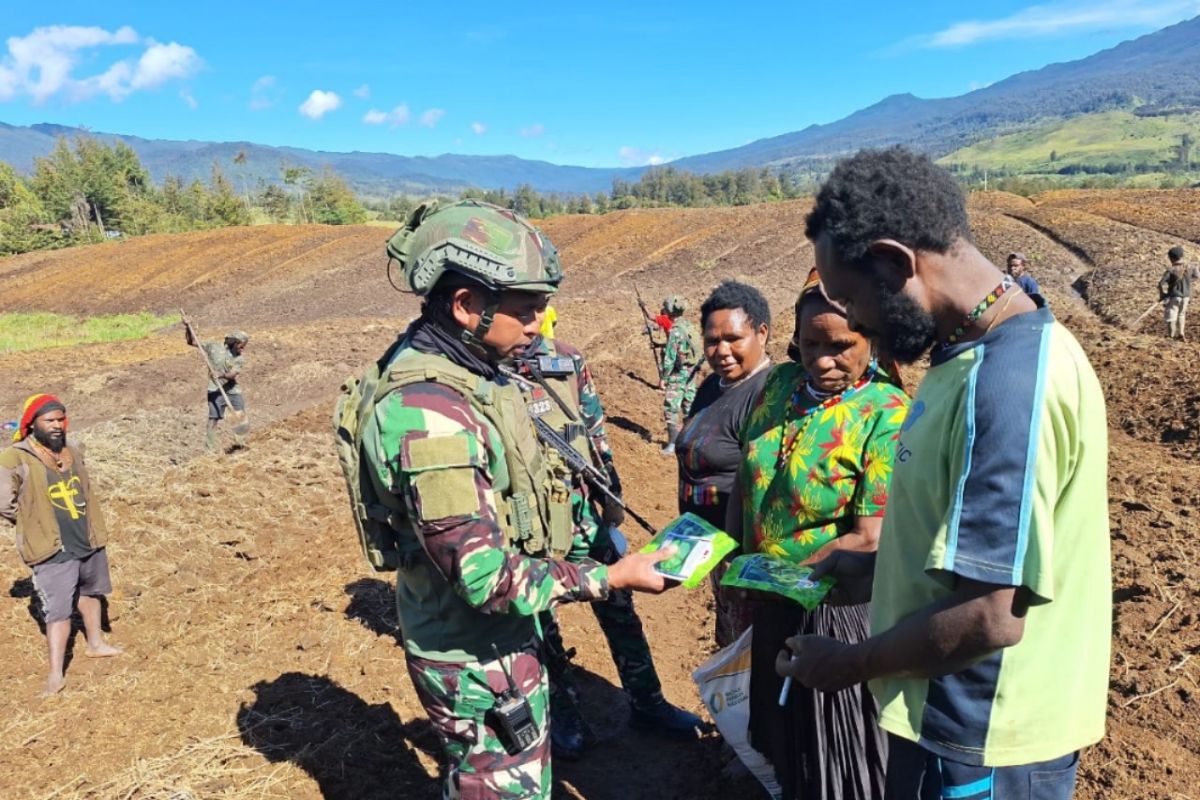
699,547
767,574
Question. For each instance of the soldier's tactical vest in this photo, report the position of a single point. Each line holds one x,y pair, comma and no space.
558,371
531,491
531,485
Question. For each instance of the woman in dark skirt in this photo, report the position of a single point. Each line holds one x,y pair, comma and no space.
736,323
817,458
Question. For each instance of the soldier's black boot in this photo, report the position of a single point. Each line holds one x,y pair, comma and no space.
566,727
664,719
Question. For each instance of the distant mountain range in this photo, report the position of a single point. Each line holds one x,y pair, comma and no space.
1152,74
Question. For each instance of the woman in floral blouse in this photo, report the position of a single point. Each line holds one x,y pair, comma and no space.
818,453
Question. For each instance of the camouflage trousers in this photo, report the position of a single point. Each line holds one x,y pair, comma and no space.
680,392
620,624
458,698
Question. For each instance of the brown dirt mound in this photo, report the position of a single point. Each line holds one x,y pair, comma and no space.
1175,212
262,658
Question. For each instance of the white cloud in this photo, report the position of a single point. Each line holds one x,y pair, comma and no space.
41,64
400,115
533,131
320,103
431,117
263,94
363,92
479,128
1060,18
638,157
188,99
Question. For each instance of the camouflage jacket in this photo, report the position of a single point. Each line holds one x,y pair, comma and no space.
682,351
223,361
473,589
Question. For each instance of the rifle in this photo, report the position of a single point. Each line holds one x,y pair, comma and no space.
585,469
241,425
649,332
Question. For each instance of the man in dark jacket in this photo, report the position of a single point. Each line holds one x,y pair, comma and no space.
46,494
1175,290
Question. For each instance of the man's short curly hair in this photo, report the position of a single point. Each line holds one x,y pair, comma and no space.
730,295
888,194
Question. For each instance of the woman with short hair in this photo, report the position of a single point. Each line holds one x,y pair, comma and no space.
736,322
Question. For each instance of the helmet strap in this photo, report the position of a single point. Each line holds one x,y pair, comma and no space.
474,339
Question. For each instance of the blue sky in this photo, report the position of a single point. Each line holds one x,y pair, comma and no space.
603,84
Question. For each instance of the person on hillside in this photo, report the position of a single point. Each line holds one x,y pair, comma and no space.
46,494
227,362
993,568
680,371
1018,267
479,499
736,321
818,450
1175,291
555,372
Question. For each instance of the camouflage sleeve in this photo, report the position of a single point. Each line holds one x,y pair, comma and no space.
431,449
671,351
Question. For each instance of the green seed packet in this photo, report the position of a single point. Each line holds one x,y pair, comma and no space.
761,571
699,548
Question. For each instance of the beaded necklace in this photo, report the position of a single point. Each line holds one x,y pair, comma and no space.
979,311
799,422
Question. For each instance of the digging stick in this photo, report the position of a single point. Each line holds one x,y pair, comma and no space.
1133,326
241,425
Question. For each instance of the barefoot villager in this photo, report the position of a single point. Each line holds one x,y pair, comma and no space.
462,499
813,480
736,321
1175,292
991,598
225,363
46,494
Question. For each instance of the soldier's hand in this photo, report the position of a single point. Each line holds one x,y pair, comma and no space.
636,571
662,386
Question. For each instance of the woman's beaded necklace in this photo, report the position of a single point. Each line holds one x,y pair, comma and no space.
830,400
979,310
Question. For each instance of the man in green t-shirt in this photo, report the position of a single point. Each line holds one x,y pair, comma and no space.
991,590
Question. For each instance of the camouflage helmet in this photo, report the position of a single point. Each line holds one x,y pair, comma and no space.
240,337
674,304
478,240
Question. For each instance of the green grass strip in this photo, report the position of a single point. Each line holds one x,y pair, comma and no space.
39,330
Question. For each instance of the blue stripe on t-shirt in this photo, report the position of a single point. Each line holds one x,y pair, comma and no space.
958,710
969,444
1039,398
988,525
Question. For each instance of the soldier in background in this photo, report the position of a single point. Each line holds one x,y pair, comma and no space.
227,361
451,440
561,369
680,368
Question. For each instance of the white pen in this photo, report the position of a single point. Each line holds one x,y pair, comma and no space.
787,686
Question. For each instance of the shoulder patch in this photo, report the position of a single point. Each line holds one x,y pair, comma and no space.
423,453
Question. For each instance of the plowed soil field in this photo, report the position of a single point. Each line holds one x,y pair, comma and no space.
261,656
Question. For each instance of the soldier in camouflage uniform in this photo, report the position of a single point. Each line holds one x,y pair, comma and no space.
680,369
227,362
450,440
564,372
